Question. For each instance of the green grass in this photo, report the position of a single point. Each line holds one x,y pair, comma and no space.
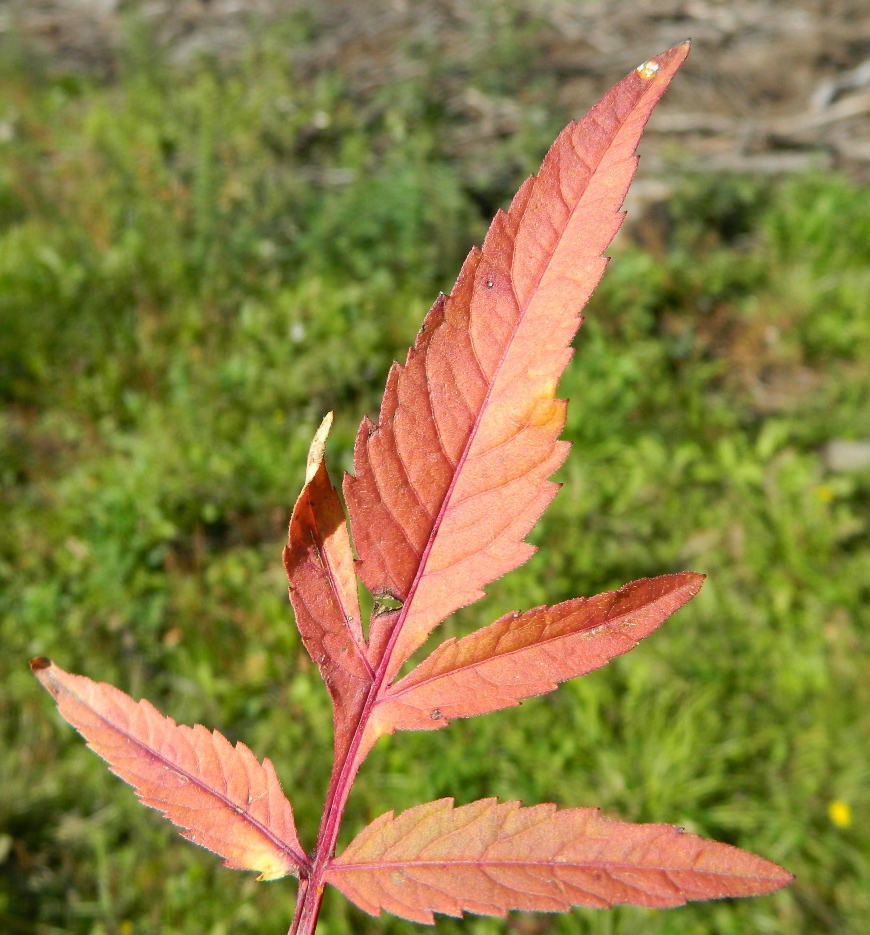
194,267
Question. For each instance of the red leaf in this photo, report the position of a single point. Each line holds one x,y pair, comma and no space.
528,654
319,565
447,485
455,473
219,794
488,858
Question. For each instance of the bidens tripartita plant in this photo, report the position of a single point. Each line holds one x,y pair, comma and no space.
446,486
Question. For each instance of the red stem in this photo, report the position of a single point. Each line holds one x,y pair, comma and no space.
343,774
311,890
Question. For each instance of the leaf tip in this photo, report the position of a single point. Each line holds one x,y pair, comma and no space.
278,872
779,877
670,60
317,448
649,69
39,663
773,879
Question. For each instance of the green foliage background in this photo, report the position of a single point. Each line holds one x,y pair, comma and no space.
195,264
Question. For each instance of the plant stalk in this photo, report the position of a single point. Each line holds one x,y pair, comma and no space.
311,891
344,773
310,896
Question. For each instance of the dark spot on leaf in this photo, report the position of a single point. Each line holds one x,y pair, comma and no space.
436,715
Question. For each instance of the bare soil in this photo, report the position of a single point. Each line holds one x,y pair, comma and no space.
772,86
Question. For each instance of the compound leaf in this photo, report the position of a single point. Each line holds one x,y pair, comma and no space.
446,486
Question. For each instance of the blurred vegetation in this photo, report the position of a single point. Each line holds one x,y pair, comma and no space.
195,264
